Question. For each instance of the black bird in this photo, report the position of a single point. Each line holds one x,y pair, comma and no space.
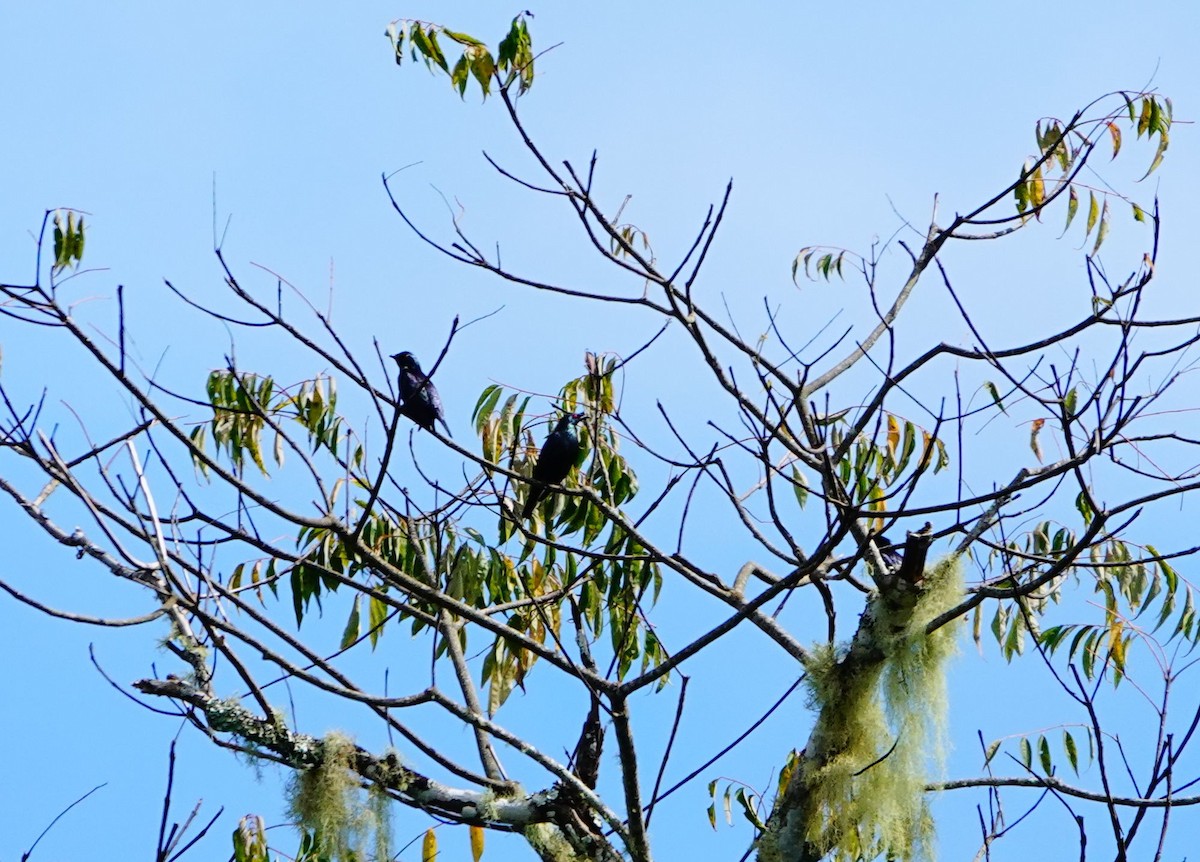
419,400
893,555
554,461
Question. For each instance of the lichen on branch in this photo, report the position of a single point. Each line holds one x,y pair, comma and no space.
858,789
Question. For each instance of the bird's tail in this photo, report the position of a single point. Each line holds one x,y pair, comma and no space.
536,494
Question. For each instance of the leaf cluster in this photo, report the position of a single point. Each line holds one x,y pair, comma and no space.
512,62
68,239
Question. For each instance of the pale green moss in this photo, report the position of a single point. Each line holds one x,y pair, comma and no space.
549,843
877,730
379,805
328,800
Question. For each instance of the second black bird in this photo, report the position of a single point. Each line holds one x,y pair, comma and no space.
419,400
554,461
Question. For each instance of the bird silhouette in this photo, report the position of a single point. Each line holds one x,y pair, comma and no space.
554,461
419,399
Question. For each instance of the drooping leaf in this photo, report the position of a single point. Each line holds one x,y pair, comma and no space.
995,393
1072,752
1072,207
1044,755
1102,231
350,634
1036,429
1093,213
476,843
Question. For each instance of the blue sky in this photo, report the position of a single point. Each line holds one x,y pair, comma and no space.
834,121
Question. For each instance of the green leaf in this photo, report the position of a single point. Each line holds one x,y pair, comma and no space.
1069,402
1021,192
995,393
350,633
799,486
483,67
436,51
1072,752
1102,232
1163,141
991,752
461,38
79,237
1072,207
377,616
1026,753
1044,755
485,405
458,77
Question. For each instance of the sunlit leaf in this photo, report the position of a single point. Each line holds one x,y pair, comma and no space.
1037,188
991,752
476,843
799,487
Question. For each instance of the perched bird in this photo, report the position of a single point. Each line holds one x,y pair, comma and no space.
554,461
893,555
419,399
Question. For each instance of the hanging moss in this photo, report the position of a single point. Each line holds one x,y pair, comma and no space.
328,801
879,721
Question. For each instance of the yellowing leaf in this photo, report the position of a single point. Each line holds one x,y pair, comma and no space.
1021,192
1072,207
1033,438
1037,188
893,435
476,843
1116,138
429,846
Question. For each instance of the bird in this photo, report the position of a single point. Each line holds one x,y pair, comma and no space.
554,461
893,555
419,399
